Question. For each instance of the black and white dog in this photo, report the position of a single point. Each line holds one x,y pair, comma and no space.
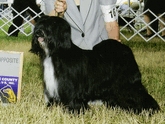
74,77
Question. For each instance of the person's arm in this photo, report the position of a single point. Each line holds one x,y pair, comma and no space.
110,18
113,30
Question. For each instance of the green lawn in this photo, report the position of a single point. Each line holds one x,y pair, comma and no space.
32,109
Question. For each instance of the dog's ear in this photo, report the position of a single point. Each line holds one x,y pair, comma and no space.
65,36
60,37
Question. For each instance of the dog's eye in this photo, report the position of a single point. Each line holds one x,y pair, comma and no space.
39,33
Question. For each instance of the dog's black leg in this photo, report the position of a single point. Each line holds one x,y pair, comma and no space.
78,106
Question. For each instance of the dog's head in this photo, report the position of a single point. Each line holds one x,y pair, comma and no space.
51,34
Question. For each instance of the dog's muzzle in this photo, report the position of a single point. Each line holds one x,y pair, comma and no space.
40,37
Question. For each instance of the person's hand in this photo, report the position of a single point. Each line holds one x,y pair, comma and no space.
141,1
60,7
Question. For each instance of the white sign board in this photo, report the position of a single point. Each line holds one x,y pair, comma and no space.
11,64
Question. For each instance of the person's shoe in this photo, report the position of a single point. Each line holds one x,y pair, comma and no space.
163,36
148,36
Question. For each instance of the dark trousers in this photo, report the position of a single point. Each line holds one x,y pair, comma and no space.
19,20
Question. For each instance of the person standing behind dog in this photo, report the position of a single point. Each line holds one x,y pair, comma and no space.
91,21
157,7
20,5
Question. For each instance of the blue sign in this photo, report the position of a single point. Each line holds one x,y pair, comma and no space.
8,89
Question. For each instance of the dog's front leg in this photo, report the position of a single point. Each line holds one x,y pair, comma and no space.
78,106
48,100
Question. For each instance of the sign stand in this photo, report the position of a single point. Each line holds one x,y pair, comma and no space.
11,65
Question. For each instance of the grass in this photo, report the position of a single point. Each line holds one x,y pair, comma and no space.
32,109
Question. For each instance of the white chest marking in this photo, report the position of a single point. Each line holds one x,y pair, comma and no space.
49,78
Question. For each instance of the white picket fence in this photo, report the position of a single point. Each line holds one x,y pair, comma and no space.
136,22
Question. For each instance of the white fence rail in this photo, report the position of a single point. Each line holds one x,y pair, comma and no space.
133,21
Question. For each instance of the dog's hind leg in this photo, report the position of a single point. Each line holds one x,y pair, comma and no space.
134,98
